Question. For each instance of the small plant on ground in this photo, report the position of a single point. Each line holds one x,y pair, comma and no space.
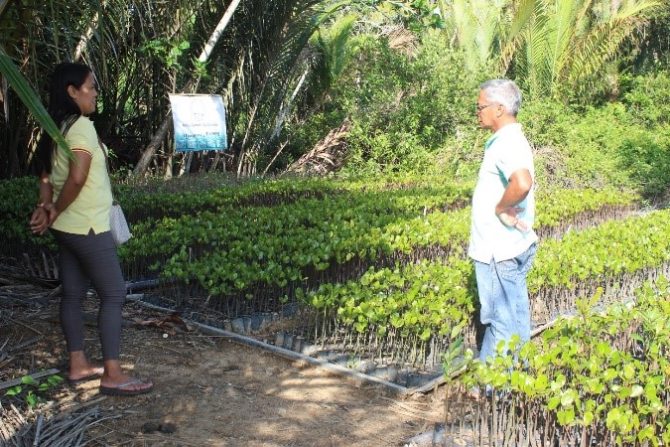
32,391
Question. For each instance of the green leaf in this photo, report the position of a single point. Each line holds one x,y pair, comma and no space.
28,380
31,399
588,418
566,417
13,391
629,371
554,402
31,100
567,399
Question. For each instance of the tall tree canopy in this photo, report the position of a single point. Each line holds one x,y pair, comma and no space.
262,56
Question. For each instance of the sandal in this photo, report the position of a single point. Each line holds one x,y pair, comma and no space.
127,388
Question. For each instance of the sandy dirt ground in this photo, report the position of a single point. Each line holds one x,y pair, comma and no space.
212,392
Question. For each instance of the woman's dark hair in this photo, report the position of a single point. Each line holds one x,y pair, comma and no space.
61,105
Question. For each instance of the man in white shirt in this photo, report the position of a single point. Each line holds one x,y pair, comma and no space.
502,242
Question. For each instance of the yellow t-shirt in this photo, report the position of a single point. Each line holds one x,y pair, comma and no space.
90,210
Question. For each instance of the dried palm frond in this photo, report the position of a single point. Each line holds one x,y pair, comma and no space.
60,430
403,40
328,155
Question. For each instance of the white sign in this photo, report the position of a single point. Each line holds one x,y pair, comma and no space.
199,123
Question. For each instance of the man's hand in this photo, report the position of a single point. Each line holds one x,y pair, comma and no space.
509,218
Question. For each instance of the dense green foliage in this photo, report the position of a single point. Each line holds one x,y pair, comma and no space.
648,98
238,247
607,145
601,376
427,299
229,250
611,249
384,258
399,105
407,297
415,113
143,51
406,88
377,252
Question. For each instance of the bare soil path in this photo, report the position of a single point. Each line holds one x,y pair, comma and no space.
212,392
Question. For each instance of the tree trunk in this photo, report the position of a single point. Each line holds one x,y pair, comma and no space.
216,35
157,139
85,38
155,143
243,151
281,148
286,109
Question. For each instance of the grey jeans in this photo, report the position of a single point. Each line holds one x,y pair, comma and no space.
86,259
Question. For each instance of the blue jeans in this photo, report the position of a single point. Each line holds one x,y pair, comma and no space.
503,298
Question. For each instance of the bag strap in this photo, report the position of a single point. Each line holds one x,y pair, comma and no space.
105,151
65,125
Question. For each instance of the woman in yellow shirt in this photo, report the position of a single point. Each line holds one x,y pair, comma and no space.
75,202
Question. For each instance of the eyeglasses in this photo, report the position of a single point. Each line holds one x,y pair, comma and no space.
483,106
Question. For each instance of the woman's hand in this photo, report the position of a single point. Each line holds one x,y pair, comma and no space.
43,217
53,213
40,221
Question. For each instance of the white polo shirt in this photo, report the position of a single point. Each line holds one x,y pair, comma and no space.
505,152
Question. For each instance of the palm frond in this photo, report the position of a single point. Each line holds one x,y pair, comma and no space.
475,27
604,41
639,8
30,99
283,66
331,45
537,49
563,27
553,43
601,46
513,38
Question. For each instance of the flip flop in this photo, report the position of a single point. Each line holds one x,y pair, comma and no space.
88,378
124,390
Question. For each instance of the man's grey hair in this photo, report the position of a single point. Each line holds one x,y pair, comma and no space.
504,92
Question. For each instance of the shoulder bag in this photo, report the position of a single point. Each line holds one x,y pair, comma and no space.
118,225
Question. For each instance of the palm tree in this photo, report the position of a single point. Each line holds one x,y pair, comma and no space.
331,52
142,50
37,36
159,136
475,26
555,46
551,46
